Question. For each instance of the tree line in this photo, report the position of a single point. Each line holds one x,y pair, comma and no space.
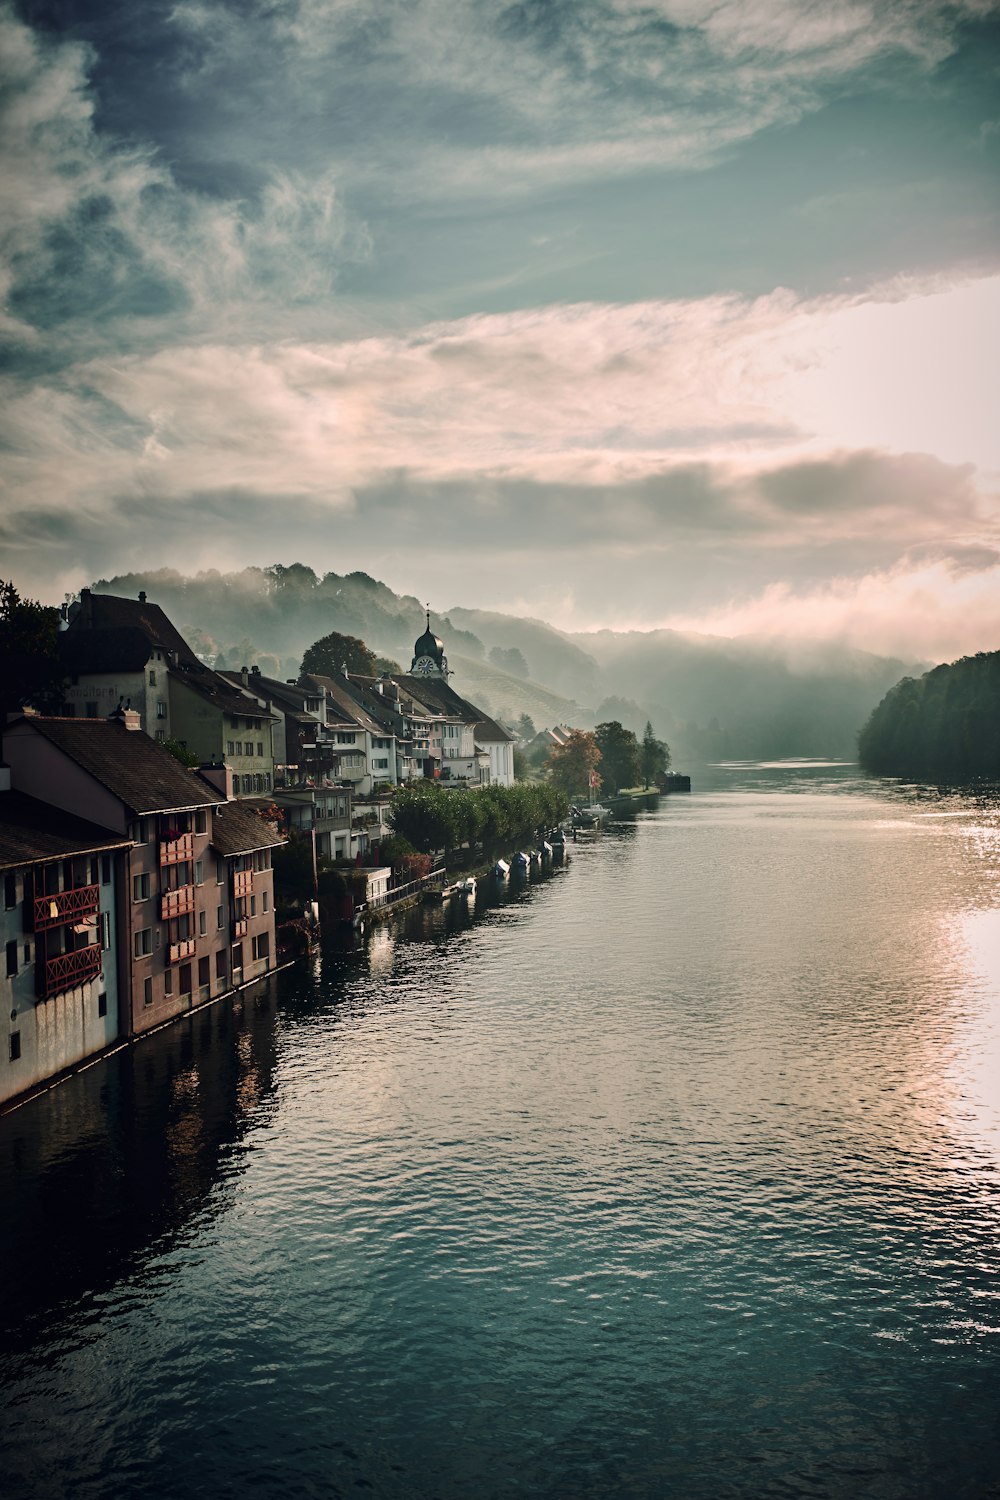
943,726
430,818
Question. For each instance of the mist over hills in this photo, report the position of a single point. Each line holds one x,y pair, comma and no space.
710,697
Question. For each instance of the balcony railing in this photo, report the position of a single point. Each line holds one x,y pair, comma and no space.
242,883
62,907
176,851
241,926
177,903
178,952
67,970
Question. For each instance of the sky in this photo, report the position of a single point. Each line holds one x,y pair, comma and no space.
617,313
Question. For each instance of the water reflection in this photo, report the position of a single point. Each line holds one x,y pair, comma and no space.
122,1160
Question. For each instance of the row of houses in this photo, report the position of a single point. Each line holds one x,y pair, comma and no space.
134,889
325,750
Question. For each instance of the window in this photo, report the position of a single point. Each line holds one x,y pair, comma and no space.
253,905
204,972
102,1004
152,678
239,747
91,710
247,784
380,763
140,887
185,979
199,872
147,992
265,900
260,747
140,831
347,739
220,964
262,945
230,747
168,981
202,923
237,957
161,709
9,891
201,821
105,930
105,869
161,735
142,942
12,957
15,1046
220,870
219,920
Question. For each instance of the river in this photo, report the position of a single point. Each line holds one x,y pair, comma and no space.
674,1172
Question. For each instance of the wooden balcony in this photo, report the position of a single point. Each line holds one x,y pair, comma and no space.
176,851
241,926
177,903
178,952
63,907
242,883
67,970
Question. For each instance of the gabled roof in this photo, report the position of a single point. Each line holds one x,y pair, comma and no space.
289,695
443,699
32,832
237,829
135,769
215,689
110,612
117,648
348,702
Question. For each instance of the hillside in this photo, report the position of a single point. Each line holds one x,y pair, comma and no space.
710,697
943,726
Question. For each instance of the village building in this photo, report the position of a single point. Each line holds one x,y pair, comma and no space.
59,930
196,904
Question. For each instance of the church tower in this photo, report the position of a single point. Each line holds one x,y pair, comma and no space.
429,659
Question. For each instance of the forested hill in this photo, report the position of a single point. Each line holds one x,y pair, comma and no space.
944,726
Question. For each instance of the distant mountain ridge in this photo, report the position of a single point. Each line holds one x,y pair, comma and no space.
710,697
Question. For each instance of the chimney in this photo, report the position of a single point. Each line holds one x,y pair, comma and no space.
142,596
127,717
255,671
244,676
218,775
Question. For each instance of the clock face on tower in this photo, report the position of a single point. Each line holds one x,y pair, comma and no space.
425,665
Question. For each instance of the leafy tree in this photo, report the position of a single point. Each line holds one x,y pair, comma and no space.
509,660
654,755
522,767
329,656
182,753
944,726
619,754
571,766
386,664
31,672
526,727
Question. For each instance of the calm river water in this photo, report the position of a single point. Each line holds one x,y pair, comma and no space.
674,1173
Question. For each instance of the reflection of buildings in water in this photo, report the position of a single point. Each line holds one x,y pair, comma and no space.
120,1157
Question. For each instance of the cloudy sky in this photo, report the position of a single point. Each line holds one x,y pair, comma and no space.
615,312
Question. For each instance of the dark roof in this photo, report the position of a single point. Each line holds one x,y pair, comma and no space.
440,696
123,648
108,611
346,699
289,695
32,832
214,688
237,829
138,771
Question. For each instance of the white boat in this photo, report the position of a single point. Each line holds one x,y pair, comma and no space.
466,887
521,861
545,850
501,869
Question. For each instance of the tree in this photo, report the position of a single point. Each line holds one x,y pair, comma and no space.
619,754
509,660
572,765
32,672
329,656
386,664
526,727
654,755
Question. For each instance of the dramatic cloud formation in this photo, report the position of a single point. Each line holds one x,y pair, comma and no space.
637,313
